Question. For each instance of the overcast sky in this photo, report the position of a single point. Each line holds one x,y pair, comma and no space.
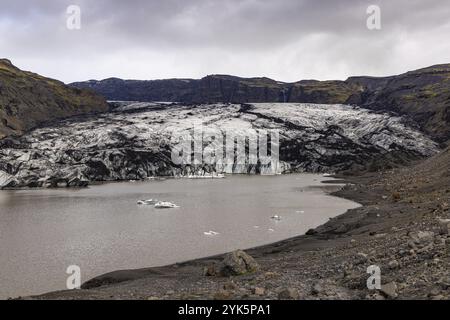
287,40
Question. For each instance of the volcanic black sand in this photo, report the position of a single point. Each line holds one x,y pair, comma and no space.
401,228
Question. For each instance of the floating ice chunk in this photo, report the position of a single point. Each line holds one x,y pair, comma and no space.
207,176
211,233
276,217
165,205
147,202
270,230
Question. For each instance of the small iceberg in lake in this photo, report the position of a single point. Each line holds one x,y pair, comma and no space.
147,202
207,176
210,233
276,217
156,178
165,205
158,204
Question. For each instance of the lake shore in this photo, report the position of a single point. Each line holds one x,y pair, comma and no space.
397,228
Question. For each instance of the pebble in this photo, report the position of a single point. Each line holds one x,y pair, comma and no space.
289,294
222,295
389,290
444,226
361,258
259,291
394,264
317,289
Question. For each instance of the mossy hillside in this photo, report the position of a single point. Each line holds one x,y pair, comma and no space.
423,95
332,92
28,99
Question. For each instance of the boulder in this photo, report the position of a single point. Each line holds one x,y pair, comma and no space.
423,238
259,291
289,294
394,264
444,226
230,286
389,290
237,263
210,270
361,258
317,289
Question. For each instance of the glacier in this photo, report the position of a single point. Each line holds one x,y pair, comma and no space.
134,141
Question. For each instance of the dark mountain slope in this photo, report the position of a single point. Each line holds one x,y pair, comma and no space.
422,94
27,100
222,88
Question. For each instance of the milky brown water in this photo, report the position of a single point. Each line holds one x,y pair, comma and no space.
102,229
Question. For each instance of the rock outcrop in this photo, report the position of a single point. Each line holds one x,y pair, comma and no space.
235,263
136,142
28,100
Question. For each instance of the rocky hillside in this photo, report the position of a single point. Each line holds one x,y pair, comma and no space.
27,100
135,142
424,94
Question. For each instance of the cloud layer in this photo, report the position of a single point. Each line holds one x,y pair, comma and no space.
286,40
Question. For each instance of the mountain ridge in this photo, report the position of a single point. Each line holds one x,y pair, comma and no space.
422,94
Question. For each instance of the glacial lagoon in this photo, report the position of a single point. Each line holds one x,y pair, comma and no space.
102,228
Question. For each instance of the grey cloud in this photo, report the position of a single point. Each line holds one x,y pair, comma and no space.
286,39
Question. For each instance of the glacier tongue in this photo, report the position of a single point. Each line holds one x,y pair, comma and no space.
135,142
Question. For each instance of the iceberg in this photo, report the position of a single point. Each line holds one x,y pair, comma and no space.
147,202
165,205
211,233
